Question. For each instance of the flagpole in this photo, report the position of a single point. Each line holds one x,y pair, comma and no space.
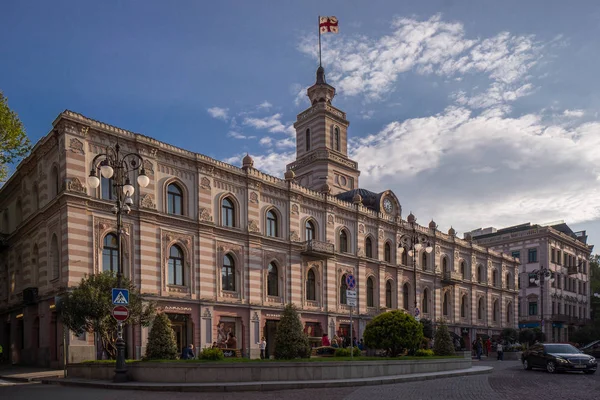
319,28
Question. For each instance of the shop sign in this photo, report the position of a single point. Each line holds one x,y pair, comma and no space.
177,309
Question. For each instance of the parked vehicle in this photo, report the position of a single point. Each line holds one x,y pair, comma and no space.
593,349
555,357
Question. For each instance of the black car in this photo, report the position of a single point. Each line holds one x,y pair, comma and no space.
593,349
555,357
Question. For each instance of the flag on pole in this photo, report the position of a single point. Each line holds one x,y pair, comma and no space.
328,24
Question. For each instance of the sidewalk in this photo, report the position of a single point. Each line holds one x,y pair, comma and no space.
15,373
269,385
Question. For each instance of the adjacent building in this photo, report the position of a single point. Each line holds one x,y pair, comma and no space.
222,248
563,302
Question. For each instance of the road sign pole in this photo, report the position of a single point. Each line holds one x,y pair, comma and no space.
351,343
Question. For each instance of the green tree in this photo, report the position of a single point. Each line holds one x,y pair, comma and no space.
427,328
88,308
394,331
510,334
161,340
14,143
527,335
290,340
442,342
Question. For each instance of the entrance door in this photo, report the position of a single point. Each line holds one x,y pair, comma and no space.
269,332
180,334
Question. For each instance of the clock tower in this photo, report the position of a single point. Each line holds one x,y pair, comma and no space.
322,143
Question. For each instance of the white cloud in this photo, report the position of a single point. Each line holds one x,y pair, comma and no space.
218,112
272,123
266,141
265,105
574,113
237,135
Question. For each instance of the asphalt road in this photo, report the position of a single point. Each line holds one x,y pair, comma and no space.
507,381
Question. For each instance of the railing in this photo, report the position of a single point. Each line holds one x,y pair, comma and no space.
317,247
451,276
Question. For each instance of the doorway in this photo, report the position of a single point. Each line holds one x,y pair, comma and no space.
180,324
270,331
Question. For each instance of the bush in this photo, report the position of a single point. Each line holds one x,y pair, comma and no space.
510,335
346,352
427,328
290,340
527,336
393,331
161,340
511,348
442,344
211,354
424,353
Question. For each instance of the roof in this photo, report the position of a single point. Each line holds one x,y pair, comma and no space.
370,199
561,227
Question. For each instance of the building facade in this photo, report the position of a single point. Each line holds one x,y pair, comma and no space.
563,302
222,248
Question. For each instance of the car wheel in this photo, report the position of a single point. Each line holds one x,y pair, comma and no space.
589,372
551,367
526,364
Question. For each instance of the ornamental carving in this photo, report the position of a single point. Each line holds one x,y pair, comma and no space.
76,146
438,250
295,209
330,220
148,166
205,215
205,183
84,130
489,263
294,237
206,313
361,228
74,185
269,256
253,197
456,255
148,201
381,234
253,227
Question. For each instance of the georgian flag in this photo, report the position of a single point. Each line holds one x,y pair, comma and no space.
328,24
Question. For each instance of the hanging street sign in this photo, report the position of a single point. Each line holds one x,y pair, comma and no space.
120,297
120,313
350,281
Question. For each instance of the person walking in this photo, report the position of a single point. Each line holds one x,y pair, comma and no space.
188,353
263,346
500,351
488,347
479,348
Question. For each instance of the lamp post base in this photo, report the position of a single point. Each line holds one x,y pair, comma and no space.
121,368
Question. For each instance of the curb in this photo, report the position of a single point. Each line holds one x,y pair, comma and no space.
28,379
266,386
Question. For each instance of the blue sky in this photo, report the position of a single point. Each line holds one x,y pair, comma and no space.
476,113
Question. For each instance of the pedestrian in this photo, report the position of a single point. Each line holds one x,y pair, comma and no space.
215,345
325,340
231,341
488,347
263,346
188,353
479,348
500,351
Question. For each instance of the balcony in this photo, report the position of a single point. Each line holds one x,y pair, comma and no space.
572,270
451,277
569,319
315,248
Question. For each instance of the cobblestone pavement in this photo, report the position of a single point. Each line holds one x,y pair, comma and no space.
507,381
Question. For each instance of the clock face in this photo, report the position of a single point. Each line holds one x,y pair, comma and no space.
387,205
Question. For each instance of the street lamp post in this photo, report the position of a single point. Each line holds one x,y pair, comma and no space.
415,242
112,164
538,276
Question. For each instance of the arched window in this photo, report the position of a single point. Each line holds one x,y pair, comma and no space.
19,212
310,230
369,247
463,270
388,294
55,256
480,309
35,266
272,280
36,197
405,296
446,304
311,286
176,266
227,213
445,265
509,284
509,313
496,311
463,306
343,241
110,253
307,139
54,188
228,273
272,224
107,188
175,199
336,139
405,257
370,292
425,305
387,252
479,274
424,261
343,288
495,279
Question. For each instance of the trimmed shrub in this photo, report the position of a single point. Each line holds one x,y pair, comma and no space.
290,340
442,343
393,331
161,340
424,353
211,354
427,328
510,335
346,352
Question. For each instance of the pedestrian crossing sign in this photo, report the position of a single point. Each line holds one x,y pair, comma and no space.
120,297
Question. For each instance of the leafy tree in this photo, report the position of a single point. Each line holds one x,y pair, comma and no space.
394,331
88,308
161,340
14,143
290,340
427,328
510,334
527,335
539,335
442,343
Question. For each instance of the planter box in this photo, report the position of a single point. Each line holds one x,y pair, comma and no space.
513,355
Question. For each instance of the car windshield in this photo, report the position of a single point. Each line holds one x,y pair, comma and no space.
561,348
595,342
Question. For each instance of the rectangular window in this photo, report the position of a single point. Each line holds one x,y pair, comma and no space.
565,258
516,254
553,255
553,307
533,308
532,255
558,257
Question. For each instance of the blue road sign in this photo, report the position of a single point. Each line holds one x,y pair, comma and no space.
417,312
120,297
350,281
